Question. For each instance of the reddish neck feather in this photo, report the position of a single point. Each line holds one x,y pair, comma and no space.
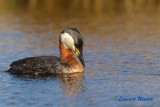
67,55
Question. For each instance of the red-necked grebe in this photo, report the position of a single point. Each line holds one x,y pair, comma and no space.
71,57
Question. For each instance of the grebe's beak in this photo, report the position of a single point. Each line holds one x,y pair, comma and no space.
79,54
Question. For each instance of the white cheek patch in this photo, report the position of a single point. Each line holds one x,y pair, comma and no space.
67,41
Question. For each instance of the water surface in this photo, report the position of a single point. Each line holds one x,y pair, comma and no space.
121,50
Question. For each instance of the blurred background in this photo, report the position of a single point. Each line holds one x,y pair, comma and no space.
91,16
121,51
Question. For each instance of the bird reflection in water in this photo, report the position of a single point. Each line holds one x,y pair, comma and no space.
71,84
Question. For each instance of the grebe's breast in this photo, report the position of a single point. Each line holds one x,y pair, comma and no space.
39,65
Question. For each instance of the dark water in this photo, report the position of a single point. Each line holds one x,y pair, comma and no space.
122,52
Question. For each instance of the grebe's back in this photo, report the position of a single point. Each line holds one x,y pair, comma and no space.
39,65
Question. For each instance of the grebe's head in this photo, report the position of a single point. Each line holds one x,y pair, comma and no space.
73,40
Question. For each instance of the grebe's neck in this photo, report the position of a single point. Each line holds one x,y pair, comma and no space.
68,56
